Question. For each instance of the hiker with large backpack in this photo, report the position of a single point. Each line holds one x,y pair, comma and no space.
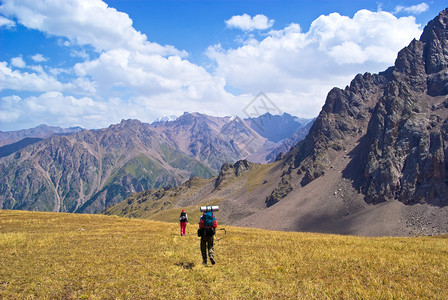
207,228
183,220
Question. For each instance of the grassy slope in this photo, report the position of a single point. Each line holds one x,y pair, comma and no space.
50,255
148,206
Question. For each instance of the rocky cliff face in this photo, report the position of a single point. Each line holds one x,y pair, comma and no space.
398,121
407,135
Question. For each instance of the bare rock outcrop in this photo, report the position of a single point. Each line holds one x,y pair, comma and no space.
229,171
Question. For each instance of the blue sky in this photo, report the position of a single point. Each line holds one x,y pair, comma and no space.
91,63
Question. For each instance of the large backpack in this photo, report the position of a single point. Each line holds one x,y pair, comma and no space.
207,225
209,217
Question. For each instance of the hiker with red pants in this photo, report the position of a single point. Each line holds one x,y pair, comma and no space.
183,220
207,229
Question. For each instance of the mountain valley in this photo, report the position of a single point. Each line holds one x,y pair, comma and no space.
375,160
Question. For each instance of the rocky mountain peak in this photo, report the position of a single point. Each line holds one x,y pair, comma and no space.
410,59
394,125
189,118
127,124
435,38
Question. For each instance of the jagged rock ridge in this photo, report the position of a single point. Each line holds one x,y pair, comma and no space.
399,118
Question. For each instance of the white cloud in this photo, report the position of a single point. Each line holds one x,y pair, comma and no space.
9,111
303,66
381,30
39,58
6,22
415,9
18,62
41,81
146,74
84,22
56,109
24,81
248,23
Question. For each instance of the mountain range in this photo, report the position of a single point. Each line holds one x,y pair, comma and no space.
375,160
42,131
89,170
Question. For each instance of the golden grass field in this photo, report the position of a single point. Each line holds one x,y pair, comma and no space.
69,256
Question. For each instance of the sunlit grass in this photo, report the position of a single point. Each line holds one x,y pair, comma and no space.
50,255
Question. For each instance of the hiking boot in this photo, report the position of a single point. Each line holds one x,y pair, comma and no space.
212,261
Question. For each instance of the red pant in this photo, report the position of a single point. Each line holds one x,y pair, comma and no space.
183,225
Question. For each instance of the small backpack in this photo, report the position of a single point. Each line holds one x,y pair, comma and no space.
183,217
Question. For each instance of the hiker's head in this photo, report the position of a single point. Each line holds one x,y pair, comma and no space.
183,210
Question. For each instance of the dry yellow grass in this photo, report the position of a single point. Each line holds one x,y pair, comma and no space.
55,255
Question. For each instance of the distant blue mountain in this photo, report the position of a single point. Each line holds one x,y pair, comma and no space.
11,148
276,127
41,131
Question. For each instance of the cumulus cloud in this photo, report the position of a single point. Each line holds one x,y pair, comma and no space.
84,22
415,9
248,23
39,58
303,66
37,79
25,81
147,74
18,62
